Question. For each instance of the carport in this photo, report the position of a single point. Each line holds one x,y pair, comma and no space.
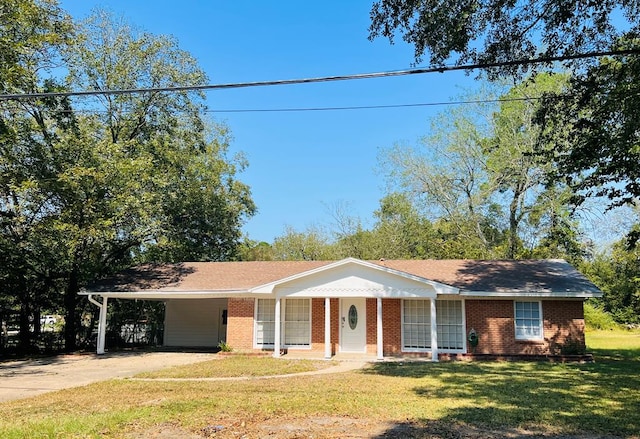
192,318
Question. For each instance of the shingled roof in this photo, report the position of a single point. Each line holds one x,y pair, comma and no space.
469,276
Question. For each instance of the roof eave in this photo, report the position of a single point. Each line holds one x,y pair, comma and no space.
544,294
168,294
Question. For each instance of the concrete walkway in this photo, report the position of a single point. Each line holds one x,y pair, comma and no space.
27,378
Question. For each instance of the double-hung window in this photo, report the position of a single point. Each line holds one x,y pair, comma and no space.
416,325
265,322
295,324
528,320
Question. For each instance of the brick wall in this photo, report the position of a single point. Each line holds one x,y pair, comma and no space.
564,325
240,324
493,320
392,326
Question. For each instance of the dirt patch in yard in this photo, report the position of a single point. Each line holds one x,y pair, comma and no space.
336,427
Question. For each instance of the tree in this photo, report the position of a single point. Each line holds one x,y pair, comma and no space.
312,245
513,167
592,130
618,275
495,31
479,172
448,176
590,125
34,33
91,185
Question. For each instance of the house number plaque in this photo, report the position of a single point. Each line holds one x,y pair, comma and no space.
353,317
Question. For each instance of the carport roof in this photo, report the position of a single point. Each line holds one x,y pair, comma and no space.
550,277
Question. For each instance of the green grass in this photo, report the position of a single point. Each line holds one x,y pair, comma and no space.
598,399
239,366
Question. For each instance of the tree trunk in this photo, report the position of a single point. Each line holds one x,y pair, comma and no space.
71,313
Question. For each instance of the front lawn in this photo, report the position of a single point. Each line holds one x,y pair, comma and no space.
411,399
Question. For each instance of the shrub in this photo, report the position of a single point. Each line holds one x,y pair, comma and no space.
597,318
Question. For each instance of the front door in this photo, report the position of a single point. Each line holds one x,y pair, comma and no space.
353,325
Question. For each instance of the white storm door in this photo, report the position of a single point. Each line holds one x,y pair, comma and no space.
353,325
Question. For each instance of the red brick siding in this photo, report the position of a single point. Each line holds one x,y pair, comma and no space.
317,324
563,324
392,326
493,320
240,323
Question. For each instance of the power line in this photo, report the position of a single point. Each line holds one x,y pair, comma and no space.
442,69
372,107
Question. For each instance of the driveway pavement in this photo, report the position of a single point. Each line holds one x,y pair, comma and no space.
26,378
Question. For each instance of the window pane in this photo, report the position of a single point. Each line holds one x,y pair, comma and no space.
528,323
297,325
416,327
265,321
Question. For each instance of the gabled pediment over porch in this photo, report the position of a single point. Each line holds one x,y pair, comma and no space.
355,278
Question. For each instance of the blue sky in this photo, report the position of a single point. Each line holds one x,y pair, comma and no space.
301,164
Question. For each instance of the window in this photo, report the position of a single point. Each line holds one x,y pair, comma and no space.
265,322
450,324
416,325
296,322
297,319
528,320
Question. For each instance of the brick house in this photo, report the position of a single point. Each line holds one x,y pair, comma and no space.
431,308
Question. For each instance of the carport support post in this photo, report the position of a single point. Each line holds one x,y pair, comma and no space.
102,323
434,331
276,332
102,326
327,328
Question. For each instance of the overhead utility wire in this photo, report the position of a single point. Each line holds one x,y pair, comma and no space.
372,107
441,69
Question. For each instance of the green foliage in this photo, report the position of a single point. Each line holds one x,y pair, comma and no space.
592,129
478,180
311,245
618,276
596,318
590,126
487,31
85,193
224,347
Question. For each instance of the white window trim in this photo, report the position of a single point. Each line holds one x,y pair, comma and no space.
422,350
257,345
402,342
284,313
463,327
541,322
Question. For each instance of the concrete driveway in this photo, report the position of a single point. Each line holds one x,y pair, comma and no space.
26,378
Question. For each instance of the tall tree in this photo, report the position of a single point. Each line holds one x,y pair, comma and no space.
496,31
592,123
448,173
94,184
32,38
514,170
593,131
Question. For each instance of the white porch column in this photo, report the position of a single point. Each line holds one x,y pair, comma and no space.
276,333
434,331
380,348
327,328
